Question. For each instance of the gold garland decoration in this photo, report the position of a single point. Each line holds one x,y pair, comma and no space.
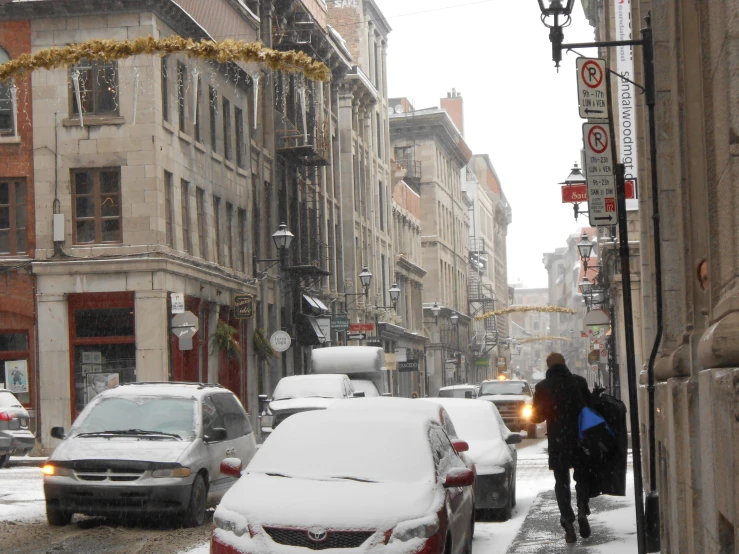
537,339
224,51
519,309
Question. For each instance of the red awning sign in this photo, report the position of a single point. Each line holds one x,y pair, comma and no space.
359,327
574,194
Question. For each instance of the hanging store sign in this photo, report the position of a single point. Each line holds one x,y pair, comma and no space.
574,194
359,327
408,366
243,306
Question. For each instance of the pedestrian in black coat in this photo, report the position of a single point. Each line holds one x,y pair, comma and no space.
558,400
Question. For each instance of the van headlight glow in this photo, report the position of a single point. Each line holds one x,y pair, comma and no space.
176,472
527,411
51,470
423,528
238,528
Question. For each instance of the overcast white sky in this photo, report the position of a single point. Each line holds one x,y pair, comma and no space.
518,109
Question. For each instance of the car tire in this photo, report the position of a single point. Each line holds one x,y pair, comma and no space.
195,513
4,460
448,548
57,517
531,431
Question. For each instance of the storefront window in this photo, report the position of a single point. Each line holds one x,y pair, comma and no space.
13,341
14,364
101,367
103,341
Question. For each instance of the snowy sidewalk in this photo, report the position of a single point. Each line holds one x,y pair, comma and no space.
612,520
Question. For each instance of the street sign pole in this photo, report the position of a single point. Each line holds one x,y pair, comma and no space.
623,237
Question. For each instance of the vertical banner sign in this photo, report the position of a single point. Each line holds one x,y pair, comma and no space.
625,100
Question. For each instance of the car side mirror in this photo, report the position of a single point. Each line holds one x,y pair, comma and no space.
514,438
231,467
359,395
460,446
459,477
216,435
57,433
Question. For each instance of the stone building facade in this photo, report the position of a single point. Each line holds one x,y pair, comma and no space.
430,146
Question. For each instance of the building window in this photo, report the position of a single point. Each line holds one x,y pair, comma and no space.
96,209
213,110
7,102
240,241
200,206
98,85
186,237
14,348
217,227
199,93
13,217
268,218
382,207
239,128
226,129
256,250
181,82
165,88
229,234
168,211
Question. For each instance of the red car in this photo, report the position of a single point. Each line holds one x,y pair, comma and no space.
366,481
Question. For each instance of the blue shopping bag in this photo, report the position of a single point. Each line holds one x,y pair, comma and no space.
588,419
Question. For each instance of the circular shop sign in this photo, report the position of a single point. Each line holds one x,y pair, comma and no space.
280,341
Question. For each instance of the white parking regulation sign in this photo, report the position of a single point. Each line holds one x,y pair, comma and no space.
602,209
597,140
591,88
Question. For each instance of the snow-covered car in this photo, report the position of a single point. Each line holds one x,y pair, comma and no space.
15,438
148,448
303,393
458,391
492,449
335,479
400,406
514,401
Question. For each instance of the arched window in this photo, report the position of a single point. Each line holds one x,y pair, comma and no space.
7,105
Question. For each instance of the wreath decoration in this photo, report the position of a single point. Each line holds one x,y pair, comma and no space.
519,309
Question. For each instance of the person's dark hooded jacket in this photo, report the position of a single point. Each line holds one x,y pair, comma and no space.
558,400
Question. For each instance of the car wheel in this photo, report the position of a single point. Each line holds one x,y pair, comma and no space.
195,514
4,460
448,545
56,516
504,513
531,431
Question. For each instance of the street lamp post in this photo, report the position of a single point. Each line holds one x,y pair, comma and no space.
647,532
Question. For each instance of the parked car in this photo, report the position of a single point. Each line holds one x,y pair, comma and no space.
15,438
336,479
458,391
492,449
514,401
147,448
303,393
400,406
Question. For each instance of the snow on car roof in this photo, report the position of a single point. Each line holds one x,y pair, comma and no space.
314,377
365,445
385,405
473,419
178,390
458,387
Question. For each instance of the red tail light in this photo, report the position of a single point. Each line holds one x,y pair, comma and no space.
5,416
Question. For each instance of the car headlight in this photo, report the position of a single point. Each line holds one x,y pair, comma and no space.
423,528
527,410
51,470
176,472
233,522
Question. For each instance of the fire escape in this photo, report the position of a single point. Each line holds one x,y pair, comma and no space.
481,298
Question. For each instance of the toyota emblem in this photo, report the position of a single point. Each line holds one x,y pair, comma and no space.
317,535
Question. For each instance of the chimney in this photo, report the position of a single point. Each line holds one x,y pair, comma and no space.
453,104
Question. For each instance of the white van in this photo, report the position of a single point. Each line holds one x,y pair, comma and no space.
364,365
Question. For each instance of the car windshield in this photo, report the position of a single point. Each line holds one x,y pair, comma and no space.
505,387
347,445
8,400
456,393
367,387
308,387
155,414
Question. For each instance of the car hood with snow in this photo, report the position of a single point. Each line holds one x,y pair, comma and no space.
329,503
507,398
120,448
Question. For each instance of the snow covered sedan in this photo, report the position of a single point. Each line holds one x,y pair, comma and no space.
147,448
492,449
302,393
335,479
